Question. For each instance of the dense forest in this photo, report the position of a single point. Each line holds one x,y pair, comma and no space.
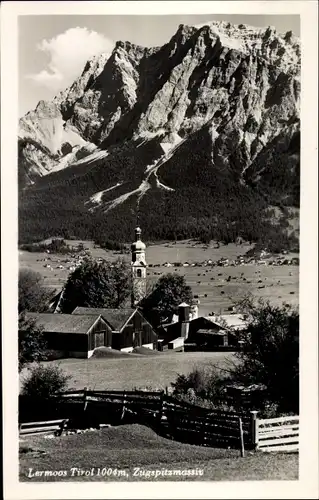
208,200
164,215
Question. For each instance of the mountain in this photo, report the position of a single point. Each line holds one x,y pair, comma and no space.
198,137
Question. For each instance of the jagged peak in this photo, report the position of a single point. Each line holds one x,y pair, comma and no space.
127,45
134,49
95,60
238,31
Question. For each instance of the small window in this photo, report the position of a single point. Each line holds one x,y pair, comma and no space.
139,273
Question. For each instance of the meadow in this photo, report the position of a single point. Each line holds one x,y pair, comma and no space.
121,449
154,372
216,287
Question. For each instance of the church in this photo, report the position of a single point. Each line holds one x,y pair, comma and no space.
80,333
139,266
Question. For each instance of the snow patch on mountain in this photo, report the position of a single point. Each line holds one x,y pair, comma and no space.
97,197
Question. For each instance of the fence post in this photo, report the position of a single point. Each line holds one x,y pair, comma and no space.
123,408
160,413
254,428
241,434
85,398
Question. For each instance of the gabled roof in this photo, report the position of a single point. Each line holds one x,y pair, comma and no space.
235,321
63,323
116,318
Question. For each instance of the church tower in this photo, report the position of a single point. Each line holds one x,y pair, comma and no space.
139,266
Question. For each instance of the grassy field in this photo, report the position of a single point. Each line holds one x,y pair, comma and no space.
217,288
120,449
153,372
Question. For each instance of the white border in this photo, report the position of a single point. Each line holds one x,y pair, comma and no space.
307,485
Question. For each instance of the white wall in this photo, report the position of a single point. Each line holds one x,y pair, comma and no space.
149,346
127,349
179,342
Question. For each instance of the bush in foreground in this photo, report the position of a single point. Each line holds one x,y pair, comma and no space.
44,381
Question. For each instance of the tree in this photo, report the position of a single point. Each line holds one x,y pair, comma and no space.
33,296
97,284
32,343
44,381
162,302
270,354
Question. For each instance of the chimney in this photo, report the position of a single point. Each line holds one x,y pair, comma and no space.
183,319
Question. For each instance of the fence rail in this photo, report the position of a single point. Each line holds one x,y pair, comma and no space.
167,415
278,434
40,427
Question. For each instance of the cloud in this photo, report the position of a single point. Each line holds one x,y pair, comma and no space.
68,53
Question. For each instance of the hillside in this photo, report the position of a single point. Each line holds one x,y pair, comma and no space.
199,137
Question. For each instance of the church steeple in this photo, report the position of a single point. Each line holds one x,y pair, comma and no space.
138,265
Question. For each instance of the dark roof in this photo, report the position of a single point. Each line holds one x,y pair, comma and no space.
116,318
63,323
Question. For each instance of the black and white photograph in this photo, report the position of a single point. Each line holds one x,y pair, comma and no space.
158,178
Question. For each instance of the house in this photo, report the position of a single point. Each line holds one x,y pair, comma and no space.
203,333
76,335
208,335
72,336
129,327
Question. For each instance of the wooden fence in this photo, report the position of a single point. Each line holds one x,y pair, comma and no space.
192,424
40,427
277,434
168,416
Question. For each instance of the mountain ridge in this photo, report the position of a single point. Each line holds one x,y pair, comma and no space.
119,134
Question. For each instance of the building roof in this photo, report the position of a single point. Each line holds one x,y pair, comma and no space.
116,318
63,323
210,331
235,321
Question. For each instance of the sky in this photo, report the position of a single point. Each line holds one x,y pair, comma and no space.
53,49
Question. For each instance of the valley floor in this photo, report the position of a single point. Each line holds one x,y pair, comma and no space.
216,287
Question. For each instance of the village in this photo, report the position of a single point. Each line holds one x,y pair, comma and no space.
190,328
121,364
265,259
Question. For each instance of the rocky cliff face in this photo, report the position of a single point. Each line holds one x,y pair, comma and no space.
131,119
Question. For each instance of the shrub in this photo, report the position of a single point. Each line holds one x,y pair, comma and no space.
202,383
44,381
32,342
